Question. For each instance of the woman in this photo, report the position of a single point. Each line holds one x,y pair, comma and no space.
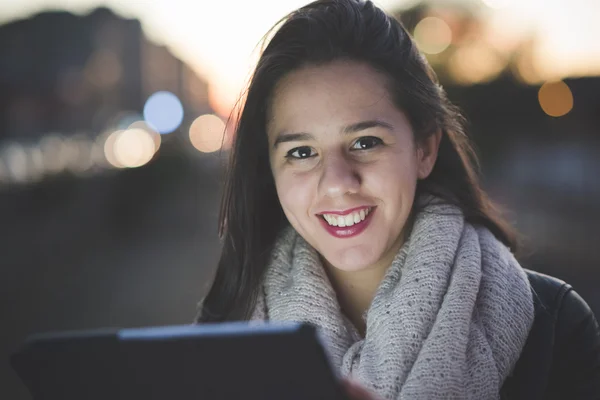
352,203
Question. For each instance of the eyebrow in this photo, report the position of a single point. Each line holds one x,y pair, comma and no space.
347,130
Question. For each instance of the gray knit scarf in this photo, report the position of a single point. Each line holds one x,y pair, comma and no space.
448,321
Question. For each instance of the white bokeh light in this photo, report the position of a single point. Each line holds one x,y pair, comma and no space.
133,148
433,35
207,133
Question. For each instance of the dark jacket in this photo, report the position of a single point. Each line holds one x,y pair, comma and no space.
561,358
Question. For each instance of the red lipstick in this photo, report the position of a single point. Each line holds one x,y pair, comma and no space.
347,231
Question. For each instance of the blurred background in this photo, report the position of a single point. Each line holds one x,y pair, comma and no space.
114,131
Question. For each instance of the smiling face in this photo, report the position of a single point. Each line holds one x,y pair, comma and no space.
345,163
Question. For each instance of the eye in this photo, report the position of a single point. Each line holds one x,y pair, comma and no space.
366,143
301,153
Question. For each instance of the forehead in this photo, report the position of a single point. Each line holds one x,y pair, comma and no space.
330,95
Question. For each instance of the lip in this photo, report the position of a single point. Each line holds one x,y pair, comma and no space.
345,212
347,231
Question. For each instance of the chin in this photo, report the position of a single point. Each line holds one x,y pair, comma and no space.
352,260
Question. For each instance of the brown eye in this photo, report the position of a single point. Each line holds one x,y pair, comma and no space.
366,143
301,152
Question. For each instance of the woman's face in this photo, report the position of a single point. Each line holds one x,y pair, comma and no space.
345,162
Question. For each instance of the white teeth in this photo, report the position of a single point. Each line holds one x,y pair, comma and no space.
346,220
349,220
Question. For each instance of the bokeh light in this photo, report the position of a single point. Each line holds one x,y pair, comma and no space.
80,151
133,148
52,148
109,149
476,63
156,138
16,162
526,70
163,112
53,154
70,153
36,161
433,35
555,98
97,151
4,178
207,133
128,148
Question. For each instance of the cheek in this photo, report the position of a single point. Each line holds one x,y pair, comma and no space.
296,193
393,180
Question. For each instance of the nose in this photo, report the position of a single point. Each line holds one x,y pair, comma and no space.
338,177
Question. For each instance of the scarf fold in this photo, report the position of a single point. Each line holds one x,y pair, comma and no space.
449,319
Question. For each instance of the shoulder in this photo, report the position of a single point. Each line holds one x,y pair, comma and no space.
556,302
576,355
548,295
562,355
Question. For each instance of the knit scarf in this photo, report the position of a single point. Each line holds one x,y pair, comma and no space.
449,319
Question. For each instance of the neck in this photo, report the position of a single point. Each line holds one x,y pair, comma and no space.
355,290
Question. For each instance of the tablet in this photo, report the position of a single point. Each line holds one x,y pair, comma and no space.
213,361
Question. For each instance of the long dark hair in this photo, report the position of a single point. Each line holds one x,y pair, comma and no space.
321,32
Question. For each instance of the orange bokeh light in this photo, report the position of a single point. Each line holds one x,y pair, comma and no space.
555,98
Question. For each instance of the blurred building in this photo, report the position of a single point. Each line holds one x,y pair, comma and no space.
64,73
120,247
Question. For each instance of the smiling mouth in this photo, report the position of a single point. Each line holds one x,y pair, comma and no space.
350,219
